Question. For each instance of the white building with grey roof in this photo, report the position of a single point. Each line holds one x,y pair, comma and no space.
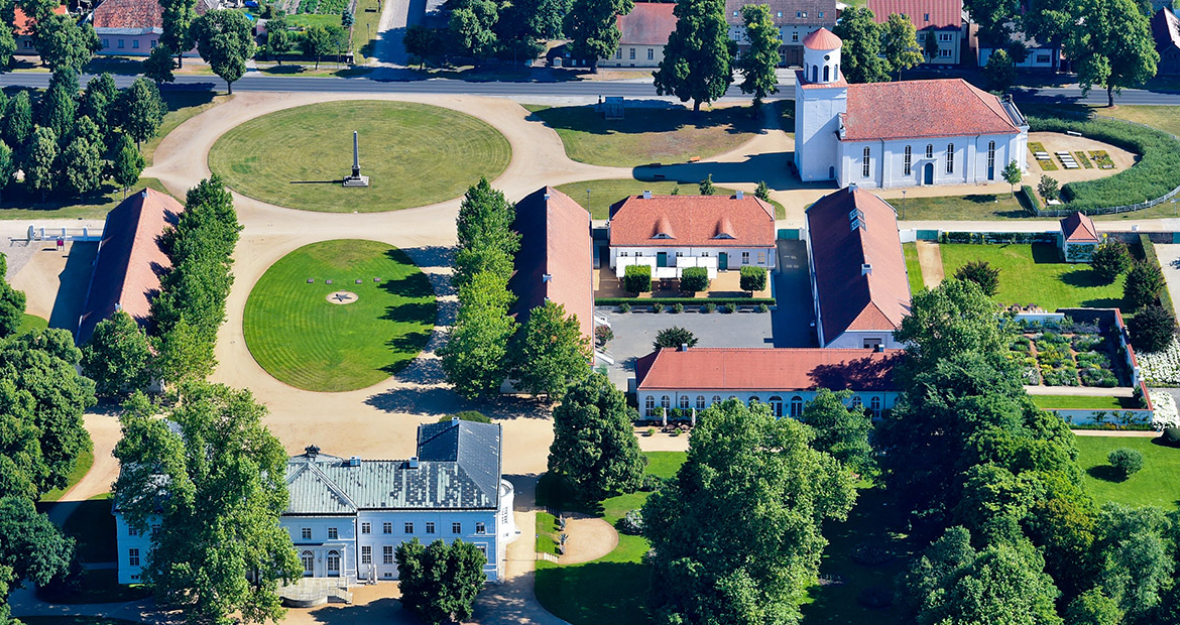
347,516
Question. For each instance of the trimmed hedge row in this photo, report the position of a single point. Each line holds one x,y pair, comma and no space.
1030,196
1155,175
669,301
1151,257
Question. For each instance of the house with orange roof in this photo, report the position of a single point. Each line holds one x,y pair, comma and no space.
899,134
794,19
643,33
938,19
22,29
1079,238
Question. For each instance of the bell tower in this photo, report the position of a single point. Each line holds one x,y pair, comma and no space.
821,97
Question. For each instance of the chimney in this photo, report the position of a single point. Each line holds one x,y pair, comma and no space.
546,196
879,348
312,451
684,347
545,277
866,269
455,420
413,462
852,187
646,194
740,195
354,461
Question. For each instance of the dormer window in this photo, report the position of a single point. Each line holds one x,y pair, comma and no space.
661,236
927,18
723,235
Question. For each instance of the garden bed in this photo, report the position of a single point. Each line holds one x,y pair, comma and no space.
1073,359
1161,368
1047,164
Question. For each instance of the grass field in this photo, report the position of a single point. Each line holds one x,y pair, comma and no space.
612,589
81,465
1065,402
301,339
30,323
182,106
960,207
647,135
1158,484
912,267
1032,274
414,155
603,193
19,205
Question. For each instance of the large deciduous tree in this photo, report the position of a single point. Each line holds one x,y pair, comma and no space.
217,488
736,533
41,171
82,167
550,352
594,448
59,105
1111,46
158,66
177,37
440,582
840,430
698,58
141,110
17,124
225,40
593,30
758,62
472,28
991,16
7,45
475,356
860,56
63,44
33,549
117,357
128,164
900,44
8,166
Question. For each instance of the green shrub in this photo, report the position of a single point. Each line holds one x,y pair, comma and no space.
637,279
674,337
731,307
625,307
473,416
657,307
1171,437
981,273
763,308
710,307
1049,189
1126,461
1152,328
1144,284
753,278
1111,259
1030,200
677,308
694,279
763,191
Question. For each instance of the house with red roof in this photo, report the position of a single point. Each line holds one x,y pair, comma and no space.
133,27
899,134
795,20
22,29
1079,237
940,19
671,232
858,275
643,33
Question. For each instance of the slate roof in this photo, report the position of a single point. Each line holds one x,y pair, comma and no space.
692,220
766,369
556,260
648,24
458,467
923,14
916,109
847,230
1079,228
789,9
22,24
1165,29
130,260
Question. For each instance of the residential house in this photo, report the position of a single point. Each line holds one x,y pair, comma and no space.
133,27
898,134
643,34
130,260
783,379
1038,56
858,273
795,20
671,232
555,262
22,30
1165,29
1079,237
942,19
346,516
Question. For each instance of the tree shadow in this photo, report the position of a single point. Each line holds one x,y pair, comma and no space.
769,167
70,301
647,116
1106,473
415,285
440,400
1046,254
1105,302
411,312
1083,278
429,256
384,610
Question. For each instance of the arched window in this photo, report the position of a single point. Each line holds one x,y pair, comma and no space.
684,402
649,405
700,402
333,563
814,73
836,72
755,400
716,399
827,73
665,402
796,406
950,158
875,405
909,157
857,404
929,151
991,160
307,558
776,405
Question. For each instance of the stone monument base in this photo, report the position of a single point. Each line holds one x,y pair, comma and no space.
356,181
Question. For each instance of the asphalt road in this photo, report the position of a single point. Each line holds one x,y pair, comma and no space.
257,82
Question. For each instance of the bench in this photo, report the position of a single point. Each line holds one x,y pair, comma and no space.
1073,133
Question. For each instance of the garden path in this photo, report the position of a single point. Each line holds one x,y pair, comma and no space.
930,260
590,538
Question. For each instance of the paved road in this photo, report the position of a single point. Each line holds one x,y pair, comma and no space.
398,81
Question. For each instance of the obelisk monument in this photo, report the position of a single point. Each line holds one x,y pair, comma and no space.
356,179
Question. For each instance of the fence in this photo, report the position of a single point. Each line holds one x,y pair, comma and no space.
65,234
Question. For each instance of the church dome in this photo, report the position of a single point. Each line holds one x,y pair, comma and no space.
822,39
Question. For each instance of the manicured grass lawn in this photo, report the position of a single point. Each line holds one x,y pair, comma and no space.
368,14
182,106
1065,402
305,341
960,208
603,193
612,589
30,323
1032,274
94,528
414,155
20,205
81,465
648,135
1158,484
912,267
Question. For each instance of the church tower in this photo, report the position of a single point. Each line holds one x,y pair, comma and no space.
821,96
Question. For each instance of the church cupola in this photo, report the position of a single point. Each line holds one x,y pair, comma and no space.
821,57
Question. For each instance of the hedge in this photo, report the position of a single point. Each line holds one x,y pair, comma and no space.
1150,256
687,301
1155,175
1034,202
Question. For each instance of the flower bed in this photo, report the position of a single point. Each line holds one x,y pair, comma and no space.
1055,359
1161,368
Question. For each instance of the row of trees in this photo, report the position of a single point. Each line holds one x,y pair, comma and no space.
315,42
485,29
873,51
224,39
60,41
486,346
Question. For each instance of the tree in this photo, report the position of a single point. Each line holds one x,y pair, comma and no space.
1111,259
992,15
158,65
1144,283
423,43
954,318
183,356
475,355
59,105
117,357
12,308
178,36
1136,562
1153,328
1000,70
860,55
440,582
758,63
41,164
840,431
535,19
17,121
316,42
485,217
1012,175
982,273
698,56
472,28
141,109
900,44
128,164
592,28
217,488
1093,608
551,353
225,41
347,19
8,166
594,448
694,279
705,187
930,46
674,337
1048,188
7,45
1126,461
739,534
752,279
637,279
63,44
278,40
33,548
1111,46
1049,21
82,167
763,191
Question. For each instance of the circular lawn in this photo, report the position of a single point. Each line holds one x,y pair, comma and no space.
301,338
413,154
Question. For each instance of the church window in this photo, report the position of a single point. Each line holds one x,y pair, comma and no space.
950,158
929,151
991,160
864,167
909,157
649,405
827,73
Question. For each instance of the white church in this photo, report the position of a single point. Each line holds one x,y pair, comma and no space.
898,134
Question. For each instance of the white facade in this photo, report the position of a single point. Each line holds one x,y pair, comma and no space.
1038,58
635,55
727,257
953,160
950,45
782,403
858,339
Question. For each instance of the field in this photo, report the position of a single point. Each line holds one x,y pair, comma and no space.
414,155
912,268
301,339
647,135
1158,484
960,207
603,193
1032,274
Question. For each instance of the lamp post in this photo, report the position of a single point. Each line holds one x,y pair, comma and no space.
903,191
588,201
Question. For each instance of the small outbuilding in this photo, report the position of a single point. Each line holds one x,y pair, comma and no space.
1079,237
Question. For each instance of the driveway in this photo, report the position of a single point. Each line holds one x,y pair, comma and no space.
795,312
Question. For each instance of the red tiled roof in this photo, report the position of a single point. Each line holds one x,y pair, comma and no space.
822,39
23,24
647,24
555,261
130,260
851,298
695,220
766,369
948,107
1165,29
129,14
923,14
1079,228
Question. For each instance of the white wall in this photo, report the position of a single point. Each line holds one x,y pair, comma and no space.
887,160
855,339
125,542
950,45
778,408
633,55
1038,58
768,256
816,123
